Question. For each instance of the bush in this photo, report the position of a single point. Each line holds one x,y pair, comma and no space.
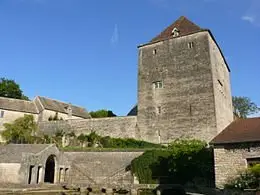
245,180
185,161
248,179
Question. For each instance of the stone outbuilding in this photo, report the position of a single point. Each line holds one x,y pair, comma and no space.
41,108
236,148
32,164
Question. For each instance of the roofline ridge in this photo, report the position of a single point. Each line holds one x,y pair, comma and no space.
15,99
61,101
48,146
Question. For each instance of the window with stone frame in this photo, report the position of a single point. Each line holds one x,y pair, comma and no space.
157,85
190,45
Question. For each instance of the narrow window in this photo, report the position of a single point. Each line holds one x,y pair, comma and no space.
158,84
220,83
2,114
39,174
154,51
190,45
66,174
159,109
30,174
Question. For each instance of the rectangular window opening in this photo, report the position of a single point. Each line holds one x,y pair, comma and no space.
30,174
158,84
159,109
190,45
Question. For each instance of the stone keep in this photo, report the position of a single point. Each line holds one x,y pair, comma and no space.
183,85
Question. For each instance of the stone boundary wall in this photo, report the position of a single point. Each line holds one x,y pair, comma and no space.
118,127
101,167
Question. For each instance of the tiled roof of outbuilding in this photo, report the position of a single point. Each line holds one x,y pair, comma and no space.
240,131
18,105
61,107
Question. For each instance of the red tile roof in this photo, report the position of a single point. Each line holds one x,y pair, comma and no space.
184,26
239,131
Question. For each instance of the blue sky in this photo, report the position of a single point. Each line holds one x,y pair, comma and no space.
85,51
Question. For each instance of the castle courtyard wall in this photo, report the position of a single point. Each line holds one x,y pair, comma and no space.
230,160
118,127
101,167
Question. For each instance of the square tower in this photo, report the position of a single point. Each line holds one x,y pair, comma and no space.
183,85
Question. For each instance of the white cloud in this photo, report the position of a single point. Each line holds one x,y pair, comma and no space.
115,36
252,13
250,19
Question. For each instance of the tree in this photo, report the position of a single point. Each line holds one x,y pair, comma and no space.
9,88
102,113
243,106
22,130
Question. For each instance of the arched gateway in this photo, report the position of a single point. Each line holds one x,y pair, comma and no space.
50,169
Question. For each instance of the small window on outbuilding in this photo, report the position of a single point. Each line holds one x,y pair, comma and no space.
157,85
154,51
190,45
2,114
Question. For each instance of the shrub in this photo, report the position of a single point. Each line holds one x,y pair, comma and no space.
248,179
184,161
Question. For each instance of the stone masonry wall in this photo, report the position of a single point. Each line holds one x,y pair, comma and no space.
100,167
10,116
184,106
10,173
222,89
119,127
230,160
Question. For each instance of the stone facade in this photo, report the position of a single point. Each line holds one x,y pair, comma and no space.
231,159
10,116
34,164
41,108
187,104
29,164
102,168
119,127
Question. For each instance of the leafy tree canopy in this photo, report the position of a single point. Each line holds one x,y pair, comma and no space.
22,130
9,88
243,106
102,113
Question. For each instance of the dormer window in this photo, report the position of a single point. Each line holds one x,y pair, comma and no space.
69,110
175,32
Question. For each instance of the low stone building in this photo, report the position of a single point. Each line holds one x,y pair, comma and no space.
236,148
41,108
44,163
32,164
